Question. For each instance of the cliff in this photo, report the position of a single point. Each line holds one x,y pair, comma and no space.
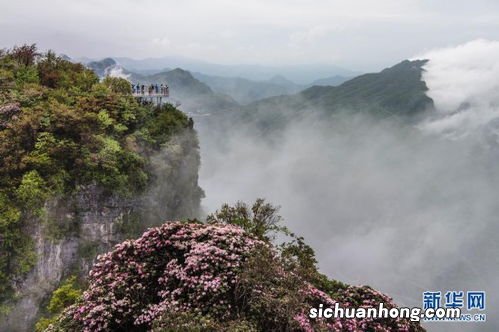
83,166
99,221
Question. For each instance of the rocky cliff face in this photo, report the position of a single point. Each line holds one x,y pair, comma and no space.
75,229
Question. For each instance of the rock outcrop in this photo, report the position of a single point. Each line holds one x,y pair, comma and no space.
75,229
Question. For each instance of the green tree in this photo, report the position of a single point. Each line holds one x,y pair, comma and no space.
25,54
261,219
118,85
68,293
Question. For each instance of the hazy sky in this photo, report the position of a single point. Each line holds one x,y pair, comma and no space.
356,34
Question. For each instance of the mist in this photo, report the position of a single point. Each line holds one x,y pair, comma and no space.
117,71
463,81
402,208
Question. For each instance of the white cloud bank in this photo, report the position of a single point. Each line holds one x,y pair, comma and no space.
463,81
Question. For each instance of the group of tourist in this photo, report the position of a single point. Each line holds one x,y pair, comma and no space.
151,89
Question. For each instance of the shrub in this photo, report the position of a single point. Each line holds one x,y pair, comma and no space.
118,85
261,219
209,277
67,294
32,191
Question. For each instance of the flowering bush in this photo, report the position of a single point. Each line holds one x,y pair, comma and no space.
208,277
176,267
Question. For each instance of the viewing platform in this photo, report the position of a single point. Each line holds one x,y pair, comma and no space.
153,93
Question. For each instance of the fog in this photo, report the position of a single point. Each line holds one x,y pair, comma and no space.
463,81
399,207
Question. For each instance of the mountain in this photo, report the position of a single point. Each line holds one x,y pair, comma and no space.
397,90
100,67
331,81
300,74
246,91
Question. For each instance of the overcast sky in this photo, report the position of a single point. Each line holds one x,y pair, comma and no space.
356,34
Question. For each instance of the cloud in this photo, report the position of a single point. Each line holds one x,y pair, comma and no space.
313,34
116,71
463,81
382,203
373,34
162,42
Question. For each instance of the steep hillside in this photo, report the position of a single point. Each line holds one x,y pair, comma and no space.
82,167
331,81
395,91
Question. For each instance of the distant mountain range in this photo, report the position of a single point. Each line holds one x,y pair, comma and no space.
300,74
246,91
395,91
240,89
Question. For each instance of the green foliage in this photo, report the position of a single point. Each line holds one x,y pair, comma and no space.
10,244
32,191
26,75
396,90
261,219
64,129
55,72
166,123
68,293
42,324
118,85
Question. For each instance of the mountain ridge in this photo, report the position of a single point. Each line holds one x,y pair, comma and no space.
395,90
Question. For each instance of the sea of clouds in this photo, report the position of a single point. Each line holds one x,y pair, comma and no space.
402,208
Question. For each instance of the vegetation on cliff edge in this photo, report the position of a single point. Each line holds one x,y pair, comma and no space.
60,128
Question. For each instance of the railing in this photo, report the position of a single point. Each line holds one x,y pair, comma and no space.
152,94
